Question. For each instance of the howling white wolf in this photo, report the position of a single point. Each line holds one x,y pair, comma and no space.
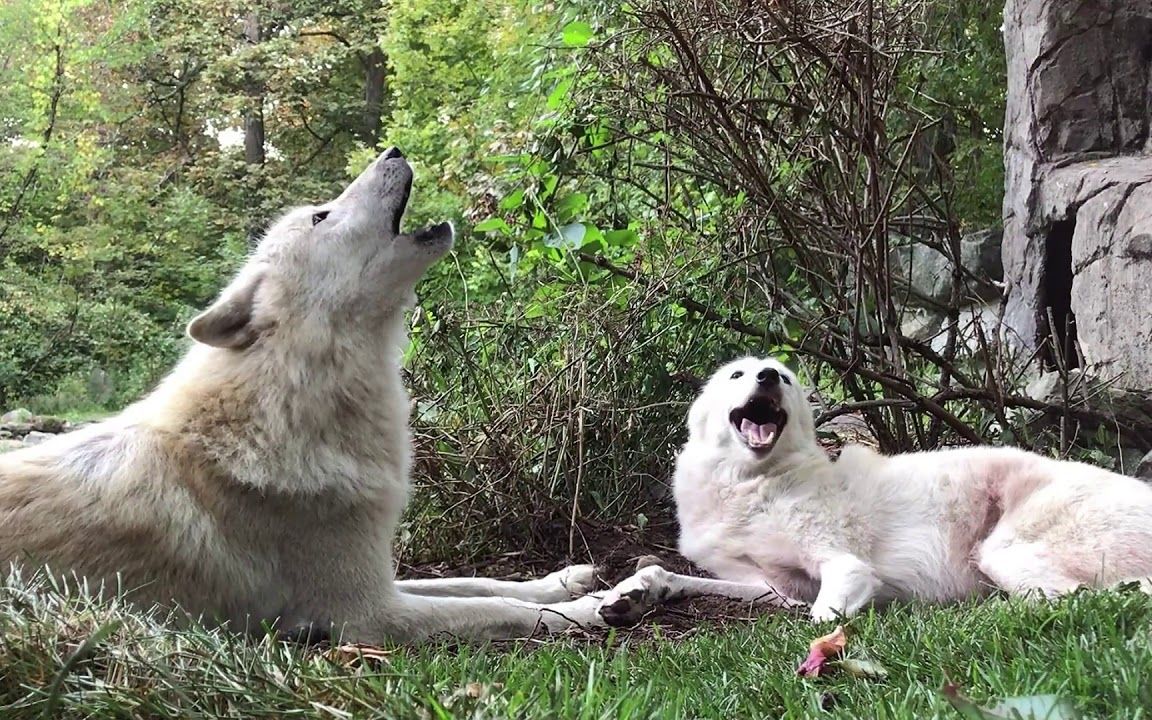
263,480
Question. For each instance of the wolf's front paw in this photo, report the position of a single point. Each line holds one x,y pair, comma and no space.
824,613
307,634
580,612
629,601
571,582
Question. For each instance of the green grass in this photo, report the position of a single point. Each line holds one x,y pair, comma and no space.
86,415
1093,649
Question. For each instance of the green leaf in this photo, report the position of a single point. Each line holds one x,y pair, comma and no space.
492,223
593,239
535,310
513,201
571,205
549,186
558,94
621,238
570,236
577,34
793,328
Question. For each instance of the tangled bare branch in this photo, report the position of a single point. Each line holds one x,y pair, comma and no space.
807,115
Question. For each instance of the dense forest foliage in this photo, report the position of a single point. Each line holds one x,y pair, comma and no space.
641,190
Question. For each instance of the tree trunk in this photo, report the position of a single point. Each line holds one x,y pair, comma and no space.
254,118
374,85
254,129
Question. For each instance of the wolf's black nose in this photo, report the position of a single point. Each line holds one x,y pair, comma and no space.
768,377
393,152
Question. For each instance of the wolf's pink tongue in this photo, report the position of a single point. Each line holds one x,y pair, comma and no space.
758,435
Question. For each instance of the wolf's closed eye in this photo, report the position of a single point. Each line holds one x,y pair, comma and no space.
318,218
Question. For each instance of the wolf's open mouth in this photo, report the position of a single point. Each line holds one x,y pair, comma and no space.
429,235
759,422
402,206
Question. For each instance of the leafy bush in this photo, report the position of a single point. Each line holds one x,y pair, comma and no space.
617,239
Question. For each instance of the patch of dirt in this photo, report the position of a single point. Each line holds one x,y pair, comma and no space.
682,619
615,549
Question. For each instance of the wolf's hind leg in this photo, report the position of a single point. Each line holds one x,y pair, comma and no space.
1021,567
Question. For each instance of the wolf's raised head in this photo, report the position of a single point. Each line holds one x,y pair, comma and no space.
343,264
755,407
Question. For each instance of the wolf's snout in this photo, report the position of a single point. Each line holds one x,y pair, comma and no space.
760,418
393,152
768,377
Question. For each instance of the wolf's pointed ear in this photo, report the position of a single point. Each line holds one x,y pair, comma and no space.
697,418
229,322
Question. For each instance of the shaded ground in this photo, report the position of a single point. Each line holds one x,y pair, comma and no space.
615,551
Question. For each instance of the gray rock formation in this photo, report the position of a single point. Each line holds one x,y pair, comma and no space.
925,280
1078,182
36,437
1128,409
17,416
23,428
926,273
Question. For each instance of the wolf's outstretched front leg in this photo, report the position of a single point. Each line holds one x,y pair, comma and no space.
627,603
412,618
571,582
846,585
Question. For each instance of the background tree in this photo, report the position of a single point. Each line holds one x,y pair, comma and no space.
624,223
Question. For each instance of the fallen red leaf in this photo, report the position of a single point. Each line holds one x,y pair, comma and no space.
821,651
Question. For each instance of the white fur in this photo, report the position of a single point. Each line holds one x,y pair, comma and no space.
791,525
264,478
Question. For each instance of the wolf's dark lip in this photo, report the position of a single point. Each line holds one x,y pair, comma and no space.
435,233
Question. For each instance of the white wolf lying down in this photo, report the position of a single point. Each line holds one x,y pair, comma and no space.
264,478
763,508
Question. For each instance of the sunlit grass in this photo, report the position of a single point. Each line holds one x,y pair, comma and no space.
1094,649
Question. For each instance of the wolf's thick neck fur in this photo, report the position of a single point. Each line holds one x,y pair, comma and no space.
304,415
